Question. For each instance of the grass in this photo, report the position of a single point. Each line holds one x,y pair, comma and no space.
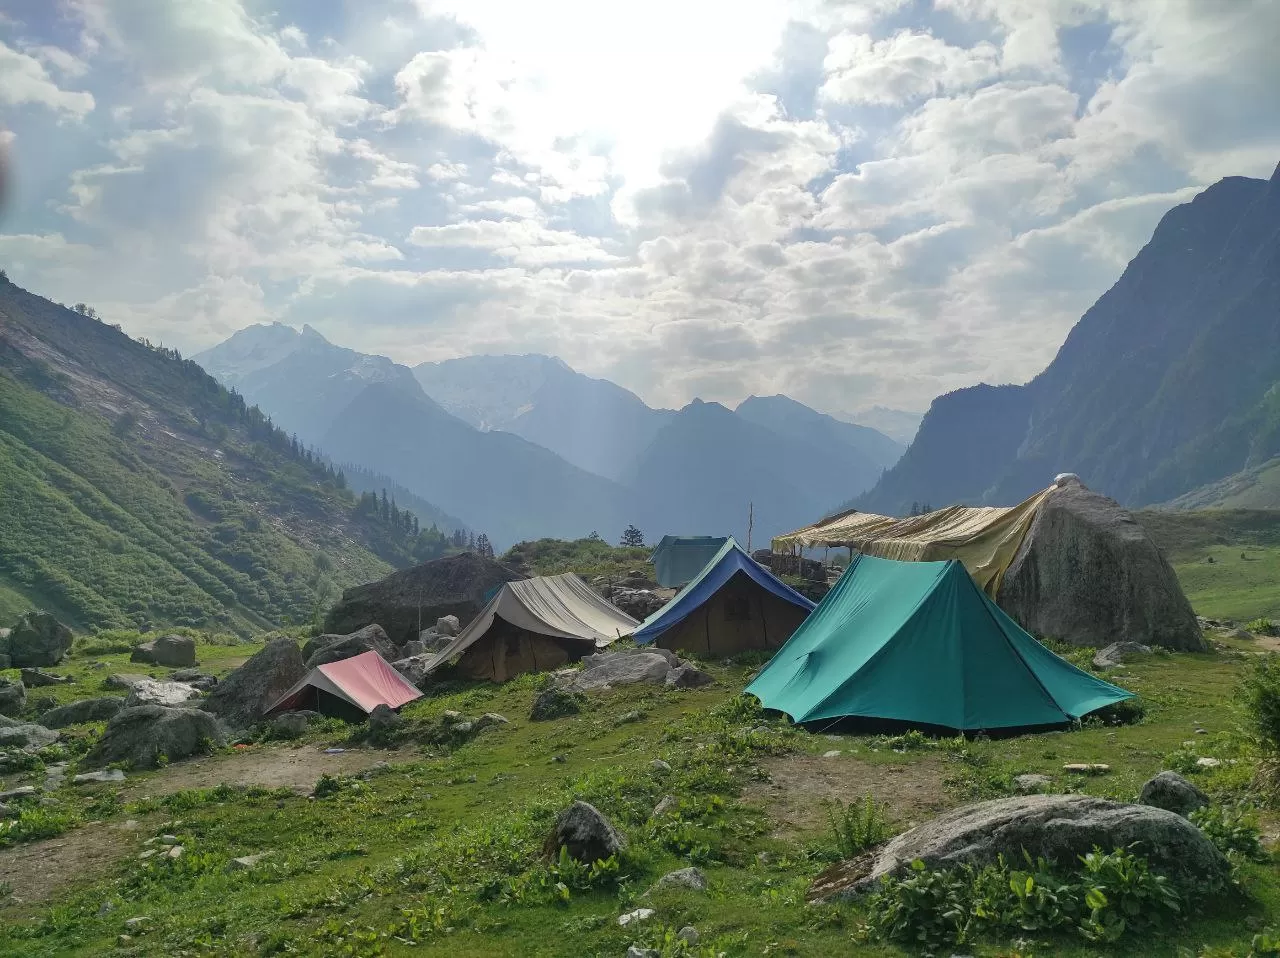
440,853
588,557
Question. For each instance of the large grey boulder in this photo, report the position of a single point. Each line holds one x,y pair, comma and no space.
35,678
1059,828
139,736
1172,792
241,698
151,692
144,653
1087,573
1116,653
27,737
687,676
13,696
38,639
413,668
124,680
369,639
621,668
86,710
448,625
585,833
195,678
178,651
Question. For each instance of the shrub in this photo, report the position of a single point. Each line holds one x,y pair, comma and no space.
1233,832
857,826
1261,696
1261,626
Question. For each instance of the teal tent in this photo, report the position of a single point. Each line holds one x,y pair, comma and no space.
678,559
920,643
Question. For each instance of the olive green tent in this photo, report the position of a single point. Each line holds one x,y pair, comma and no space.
920,643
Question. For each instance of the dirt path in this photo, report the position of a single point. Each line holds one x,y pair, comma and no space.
267,766
795,797
38,871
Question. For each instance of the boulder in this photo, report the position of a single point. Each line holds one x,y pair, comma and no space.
637,603
151,692
102,775
691,878
1086,572
289,725
140,735
35,678
1172,792
369,639
553,702
124,680
1059,828
175,650
448,625
451,586
144,652
413,668
1032,783
241,698
1117,652
13,696
38,639
621,668
86,710
195,678
413,647
687,677
28,737
585,833
384,718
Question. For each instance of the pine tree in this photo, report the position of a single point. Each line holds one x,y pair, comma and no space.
342,479
483,547
632,537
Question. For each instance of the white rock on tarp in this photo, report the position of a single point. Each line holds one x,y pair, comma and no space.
640,914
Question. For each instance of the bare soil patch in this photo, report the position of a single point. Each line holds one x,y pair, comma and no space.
270,766
795,797
39,871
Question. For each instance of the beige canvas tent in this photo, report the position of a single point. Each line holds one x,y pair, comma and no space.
532,626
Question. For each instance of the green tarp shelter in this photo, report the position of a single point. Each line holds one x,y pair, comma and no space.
678,559
919,643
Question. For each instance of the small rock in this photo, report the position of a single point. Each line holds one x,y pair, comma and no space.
1172,792
289,725
22,791
668,804
175,851
464,728
660,766
1208,762
124,940
585,833
35,678
689,935
106,908
490,719
13,697
449,715
692,878
640,914
626,718
635,951
1201,731
559,759
146,854
247,862
448,625
1026,784
103,775
1117,652
384,718
133,924
834,753
124,680
1086,768
687,677
168,839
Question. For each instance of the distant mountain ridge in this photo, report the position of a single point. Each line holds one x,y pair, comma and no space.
1167,383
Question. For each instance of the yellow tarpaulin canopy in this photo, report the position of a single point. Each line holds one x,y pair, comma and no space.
984,538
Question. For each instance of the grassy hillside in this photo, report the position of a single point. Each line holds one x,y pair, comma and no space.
587,557
135,489
1256,488
1243,580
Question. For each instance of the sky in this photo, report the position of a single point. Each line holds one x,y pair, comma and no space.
854,202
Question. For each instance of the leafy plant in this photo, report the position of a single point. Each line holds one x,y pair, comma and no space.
928,909
857,826
1231,830
1122,894
1261,698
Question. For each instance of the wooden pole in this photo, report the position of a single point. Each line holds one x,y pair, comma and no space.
751,515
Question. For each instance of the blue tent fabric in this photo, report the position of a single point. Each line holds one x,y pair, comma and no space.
920,643
724,565
678,559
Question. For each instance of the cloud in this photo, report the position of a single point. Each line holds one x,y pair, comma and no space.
906,66
521,241
25,81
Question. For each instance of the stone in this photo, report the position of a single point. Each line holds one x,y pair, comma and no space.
289,725
414,669
1058,828
689,935
448,625
833,753
144,652
1208,762
555,701
1117,653
1086,768
38,639
1172,792
1238,634
247,862
86,710
635,951
660,766
152,692
488,720
175,852
35,678
691,878
585,833
605,669
1087,572
338,647
28,737
140,735
241,698
1031,783
177,651
413,647
102,775
22,791
667,805
13,696
133,924
124,680
687,676
631,917
384,718
195,678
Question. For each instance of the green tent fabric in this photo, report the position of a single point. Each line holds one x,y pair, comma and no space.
920,643
678,559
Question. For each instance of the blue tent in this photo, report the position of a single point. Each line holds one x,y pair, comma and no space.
732,605
677,559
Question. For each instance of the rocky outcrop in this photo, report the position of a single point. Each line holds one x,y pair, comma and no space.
1172,792
35,678
141,736
414,669
195,678
404,601
637,603
27,737
333,648
86,710
151,692
585,833
1058,828
13,696
1087,574
648,666
241,698
38,639
1116,653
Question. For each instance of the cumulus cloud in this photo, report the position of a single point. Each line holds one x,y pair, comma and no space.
27,82
906,66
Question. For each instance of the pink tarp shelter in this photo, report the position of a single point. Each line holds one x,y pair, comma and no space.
358,684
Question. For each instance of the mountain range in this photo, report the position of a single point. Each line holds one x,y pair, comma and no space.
1168,383
525,447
